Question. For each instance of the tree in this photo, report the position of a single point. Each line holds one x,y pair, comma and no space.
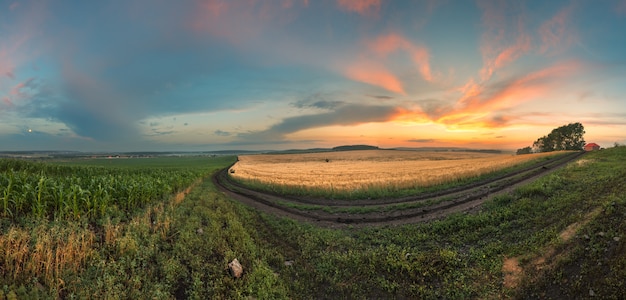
543,144
566,137
525,150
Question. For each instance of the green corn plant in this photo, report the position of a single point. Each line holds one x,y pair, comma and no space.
131,198
39,207
6,211
101,200
23,197
59,195
74,200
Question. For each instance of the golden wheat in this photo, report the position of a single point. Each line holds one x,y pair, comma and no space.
355,170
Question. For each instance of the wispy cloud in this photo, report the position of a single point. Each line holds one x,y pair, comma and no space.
13,6
14,50
375,73
510,93
19,89
309,64
497,48
240,21
7,101
371,66
363,7
482,102
385,45
488,105
557,33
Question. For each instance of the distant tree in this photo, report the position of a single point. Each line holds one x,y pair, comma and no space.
567,137
543,144
525,150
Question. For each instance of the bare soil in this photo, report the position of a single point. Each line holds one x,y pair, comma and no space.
418,208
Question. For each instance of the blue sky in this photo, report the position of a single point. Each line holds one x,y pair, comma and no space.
278,74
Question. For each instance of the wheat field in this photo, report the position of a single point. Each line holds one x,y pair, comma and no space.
367,169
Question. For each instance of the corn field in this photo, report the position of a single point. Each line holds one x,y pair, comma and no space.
59,192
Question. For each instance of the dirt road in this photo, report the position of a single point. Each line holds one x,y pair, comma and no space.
397,211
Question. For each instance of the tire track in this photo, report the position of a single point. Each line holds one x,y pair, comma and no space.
404,210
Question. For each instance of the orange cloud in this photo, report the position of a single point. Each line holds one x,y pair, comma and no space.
7,101
469,90
478,100
513,52
387,44
416,116
421,59
15,48
375,74
239,21
496,49
556,34
6,68
531,86
370,66
363,7
482,106
214,8
17,90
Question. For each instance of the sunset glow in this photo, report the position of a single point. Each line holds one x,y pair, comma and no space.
270,74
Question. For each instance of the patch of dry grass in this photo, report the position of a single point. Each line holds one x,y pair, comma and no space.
356,170
45,252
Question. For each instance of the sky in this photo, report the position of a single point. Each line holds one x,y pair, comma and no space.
200,75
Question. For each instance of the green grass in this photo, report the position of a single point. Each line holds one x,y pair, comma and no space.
458,257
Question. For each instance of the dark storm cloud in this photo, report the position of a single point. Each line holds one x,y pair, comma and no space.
351,114
110,79
319,101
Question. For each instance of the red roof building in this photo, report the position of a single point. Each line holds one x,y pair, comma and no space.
592,147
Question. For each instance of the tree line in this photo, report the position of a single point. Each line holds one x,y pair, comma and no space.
566,137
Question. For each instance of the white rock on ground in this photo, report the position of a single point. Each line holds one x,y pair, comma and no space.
235,268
